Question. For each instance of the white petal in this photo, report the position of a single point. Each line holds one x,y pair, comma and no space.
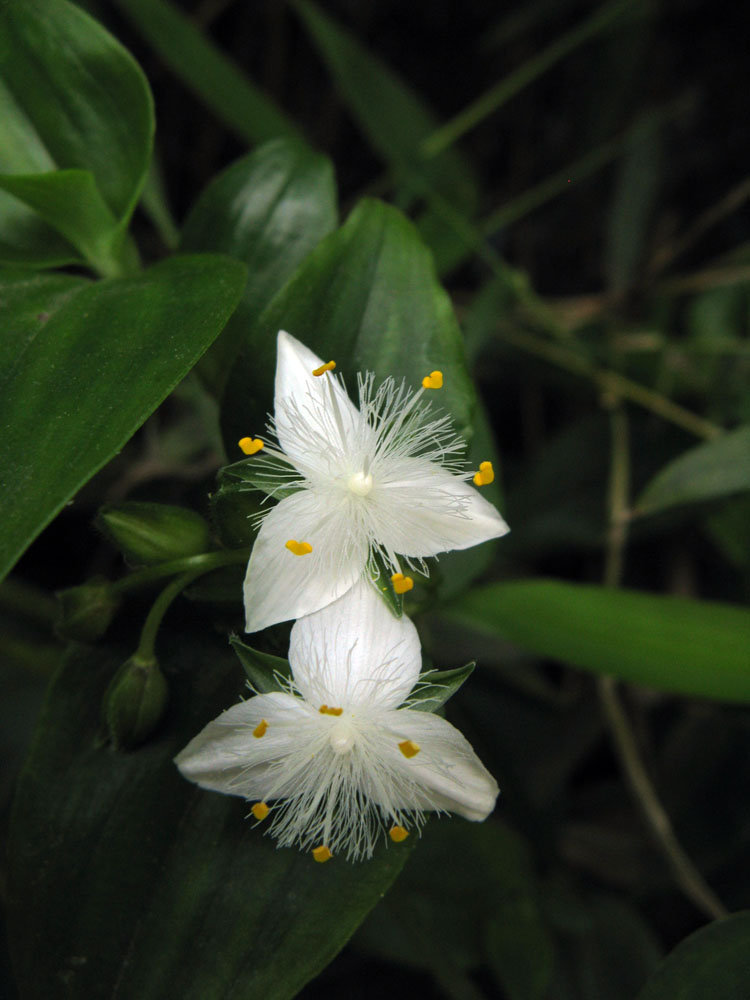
355,652
446,774
313,416
421,510
280,585
226,757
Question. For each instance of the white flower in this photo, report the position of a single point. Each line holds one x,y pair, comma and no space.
334,761
384,479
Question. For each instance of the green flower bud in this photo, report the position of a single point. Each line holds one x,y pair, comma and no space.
85,612
148,533
134,702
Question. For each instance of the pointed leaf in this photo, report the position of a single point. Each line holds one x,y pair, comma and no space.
206,906
437,686
95,370
263,670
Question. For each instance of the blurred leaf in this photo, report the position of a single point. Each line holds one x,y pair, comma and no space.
690,647
70,98
712,962
97,367
435,687
268,209
368,297
242,917
205,70
263,670
713,470
729,528
394,119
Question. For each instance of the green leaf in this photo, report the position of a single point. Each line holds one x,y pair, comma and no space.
263,670
711,471
435,687
207,72
712,962
269,210
165,889
368,297
96,368
70,98
690,647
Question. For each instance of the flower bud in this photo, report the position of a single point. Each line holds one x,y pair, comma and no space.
85,612
134,702
148,533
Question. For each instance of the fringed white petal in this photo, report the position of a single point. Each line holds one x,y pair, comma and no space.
355,652
280,585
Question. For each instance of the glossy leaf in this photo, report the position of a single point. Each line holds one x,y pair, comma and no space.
269,210
368,297
243,918
437,686
71,98
204,69
711,471
263,670
687,646
712,962
92,373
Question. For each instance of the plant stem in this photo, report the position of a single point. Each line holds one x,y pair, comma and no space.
159,608
686,875
203,563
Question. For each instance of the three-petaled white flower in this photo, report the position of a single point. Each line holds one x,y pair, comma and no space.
382,479
334,760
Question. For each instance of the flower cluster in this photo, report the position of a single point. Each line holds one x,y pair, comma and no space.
343,752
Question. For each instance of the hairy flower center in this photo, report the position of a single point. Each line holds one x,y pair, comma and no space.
342,736
360,483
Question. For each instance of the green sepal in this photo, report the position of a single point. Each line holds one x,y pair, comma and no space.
265,672
148,533
380,577
238,499
85,612
435,687
134,702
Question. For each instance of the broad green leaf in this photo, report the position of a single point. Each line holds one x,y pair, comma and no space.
263,670
166,889
269,210
97,367
368,297
70,98
709,472
437,686
690,647
206,70
712,962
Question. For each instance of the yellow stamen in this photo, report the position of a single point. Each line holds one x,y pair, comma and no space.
260,810
250,445
260,729
433,381
321,854
325,710
299,548
401,583
327,367
409,748
397,834
486,474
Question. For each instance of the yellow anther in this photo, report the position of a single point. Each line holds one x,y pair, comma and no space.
325,710
397,834
260,729
486,474
299,548
433,381
321,854
327,367
401,583
260,810
250,445
409,748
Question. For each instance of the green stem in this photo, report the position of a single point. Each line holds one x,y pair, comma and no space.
496,96
145,651
203,563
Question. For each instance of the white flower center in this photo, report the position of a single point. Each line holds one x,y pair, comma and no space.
360,483
342,736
